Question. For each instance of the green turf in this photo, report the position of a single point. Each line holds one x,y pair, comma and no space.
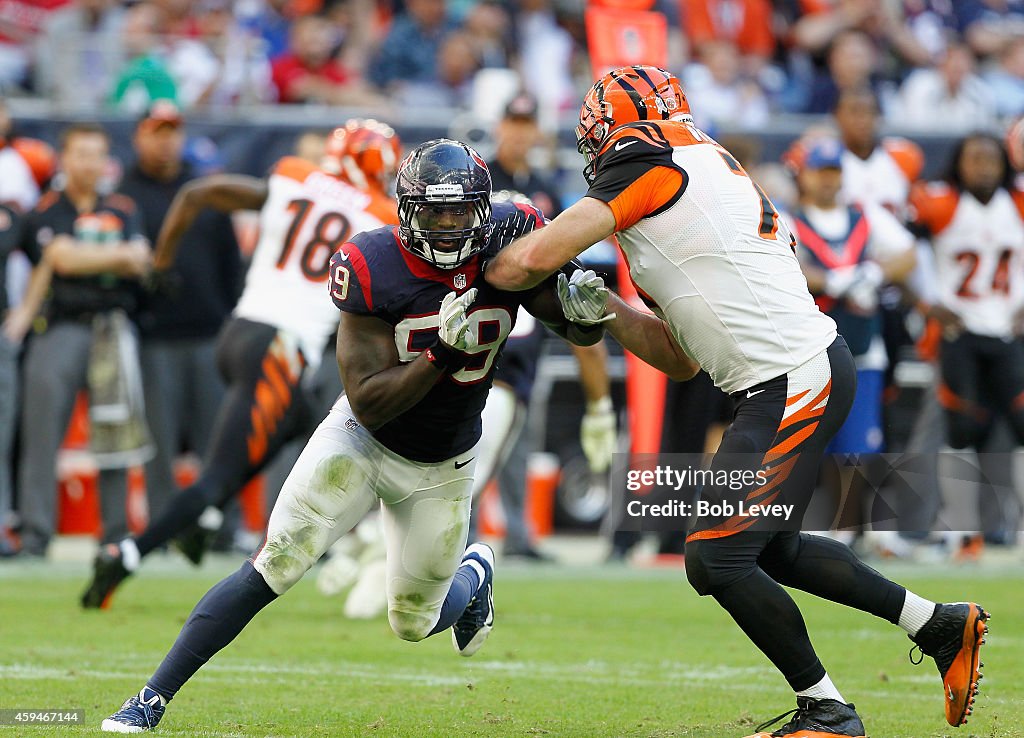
575,652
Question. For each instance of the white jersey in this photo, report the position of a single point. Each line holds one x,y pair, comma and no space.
979,254
708,249
884,178
308,215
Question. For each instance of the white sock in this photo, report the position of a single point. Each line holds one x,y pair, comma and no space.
823,690
130,556
916,612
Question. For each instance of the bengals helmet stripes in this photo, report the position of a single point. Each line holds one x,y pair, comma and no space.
623,96
365,153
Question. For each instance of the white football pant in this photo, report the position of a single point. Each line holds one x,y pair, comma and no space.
340,475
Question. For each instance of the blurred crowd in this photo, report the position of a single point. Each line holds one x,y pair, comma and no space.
955,67
931,62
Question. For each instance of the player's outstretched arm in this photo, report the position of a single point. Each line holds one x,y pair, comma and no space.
378,385
544,306
586,301
223,192
528,261
648,337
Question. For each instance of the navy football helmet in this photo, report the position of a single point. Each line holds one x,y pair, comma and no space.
444,202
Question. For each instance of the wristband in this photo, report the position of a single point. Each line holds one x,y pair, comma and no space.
445,358
600,406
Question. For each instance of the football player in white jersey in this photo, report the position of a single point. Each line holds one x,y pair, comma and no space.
279,328
975,222
876,170
707,249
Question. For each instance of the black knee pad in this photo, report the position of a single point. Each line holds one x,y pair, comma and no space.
718,563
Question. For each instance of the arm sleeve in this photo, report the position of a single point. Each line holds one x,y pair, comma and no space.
637,179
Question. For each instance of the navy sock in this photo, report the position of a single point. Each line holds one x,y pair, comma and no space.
464,586
220,616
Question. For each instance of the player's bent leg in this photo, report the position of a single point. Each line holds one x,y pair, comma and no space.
218,617
785,427
828,569
726,568
431,578
327,493
426,538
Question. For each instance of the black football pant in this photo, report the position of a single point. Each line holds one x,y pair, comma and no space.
263,408
781,428
982,378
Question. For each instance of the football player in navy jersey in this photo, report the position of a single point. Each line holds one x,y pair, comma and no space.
419,335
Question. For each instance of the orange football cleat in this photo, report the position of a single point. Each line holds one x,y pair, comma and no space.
953,637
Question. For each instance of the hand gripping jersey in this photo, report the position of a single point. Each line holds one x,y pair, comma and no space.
373,274
979,254
707,250
307,216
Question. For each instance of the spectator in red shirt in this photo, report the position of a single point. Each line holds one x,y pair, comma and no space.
309,72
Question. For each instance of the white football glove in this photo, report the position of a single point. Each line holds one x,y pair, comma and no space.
453,325
584,298
862,295
839,280
597,434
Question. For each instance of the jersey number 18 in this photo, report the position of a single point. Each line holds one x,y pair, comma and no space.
330,231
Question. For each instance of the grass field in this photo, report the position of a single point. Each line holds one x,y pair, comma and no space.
575,652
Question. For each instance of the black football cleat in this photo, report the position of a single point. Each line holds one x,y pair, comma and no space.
108,572
816,719
194,542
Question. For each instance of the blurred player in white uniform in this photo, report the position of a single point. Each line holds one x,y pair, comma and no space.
279,328
876,170
708,252
975,223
